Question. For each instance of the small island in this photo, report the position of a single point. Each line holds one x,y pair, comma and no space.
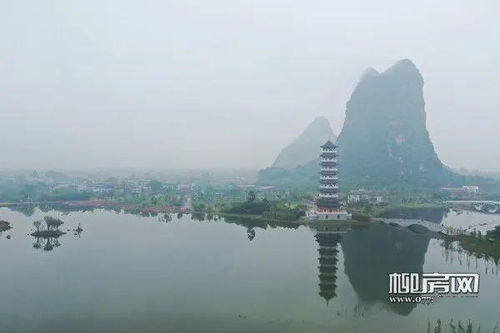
50,229
4,226
47,233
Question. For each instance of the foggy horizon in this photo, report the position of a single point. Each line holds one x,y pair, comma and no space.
226,85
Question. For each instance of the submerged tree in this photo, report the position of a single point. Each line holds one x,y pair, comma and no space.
49,234
165,218
4,226
52,222
37,225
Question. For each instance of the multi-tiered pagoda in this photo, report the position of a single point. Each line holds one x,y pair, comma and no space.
328,203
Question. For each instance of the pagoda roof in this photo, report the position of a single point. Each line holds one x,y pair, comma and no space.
329,145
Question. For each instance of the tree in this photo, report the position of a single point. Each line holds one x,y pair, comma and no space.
251,196
37,225
155,186
52,222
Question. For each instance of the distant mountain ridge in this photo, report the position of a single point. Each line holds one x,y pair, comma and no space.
307,146
384,140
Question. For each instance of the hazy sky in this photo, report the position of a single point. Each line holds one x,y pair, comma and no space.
228,83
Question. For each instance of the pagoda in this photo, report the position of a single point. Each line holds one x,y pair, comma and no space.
328,203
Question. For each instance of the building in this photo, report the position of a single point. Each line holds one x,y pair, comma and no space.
364,196
471,189
464,190
328,203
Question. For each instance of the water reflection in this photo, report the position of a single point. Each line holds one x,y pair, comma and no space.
328,238
165,218
250,233
4,226
251,224
47,233
371,254
478,259
26,210
46,243
258,268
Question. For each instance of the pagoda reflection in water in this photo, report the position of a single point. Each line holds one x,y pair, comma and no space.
328,238
370,253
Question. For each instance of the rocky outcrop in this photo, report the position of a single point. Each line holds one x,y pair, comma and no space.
384,138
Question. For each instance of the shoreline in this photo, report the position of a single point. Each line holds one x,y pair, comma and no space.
301,221
101,204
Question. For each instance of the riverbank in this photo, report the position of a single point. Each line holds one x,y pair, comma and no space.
372,211
100,204
301,221
256,218
412,206
479,246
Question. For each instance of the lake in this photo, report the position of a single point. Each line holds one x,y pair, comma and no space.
130,273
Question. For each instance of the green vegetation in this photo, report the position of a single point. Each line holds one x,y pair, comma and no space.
66,195
144,199
256,207
384,143
360,217
266,209
494,235
487,246
301,177
409,210
4,225
49,229
284,213
475,243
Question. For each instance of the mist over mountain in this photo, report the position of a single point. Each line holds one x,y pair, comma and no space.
307,146
384,137
384,140
297,163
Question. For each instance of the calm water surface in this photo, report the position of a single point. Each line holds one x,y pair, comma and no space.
127,273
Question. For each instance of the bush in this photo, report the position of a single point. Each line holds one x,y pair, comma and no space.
494,234
66,195
360,217
291,215
250,207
